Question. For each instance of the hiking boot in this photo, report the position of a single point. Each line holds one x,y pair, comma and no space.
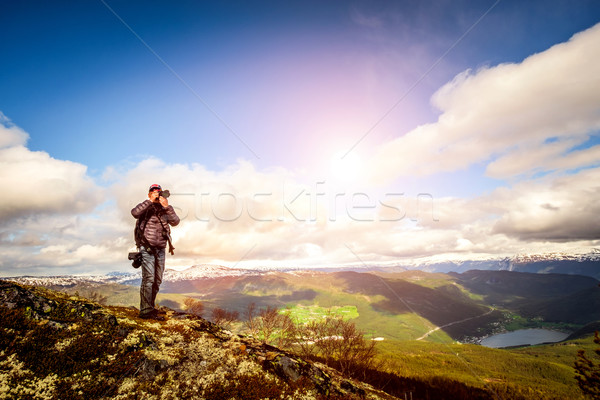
152,315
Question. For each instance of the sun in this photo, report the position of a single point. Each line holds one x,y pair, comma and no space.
346,167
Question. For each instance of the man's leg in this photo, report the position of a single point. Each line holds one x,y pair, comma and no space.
159,269
146,288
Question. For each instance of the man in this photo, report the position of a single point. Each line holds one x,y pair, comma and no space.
154,216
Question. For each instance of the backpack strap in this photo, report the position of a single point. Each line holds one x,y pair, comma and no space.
166,231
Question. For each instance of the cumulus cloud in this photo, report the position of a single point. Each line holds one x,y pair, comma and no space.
553,209
56,244
246,217
38,183
241,216
502,112
560,210
227,214
10,134
46,213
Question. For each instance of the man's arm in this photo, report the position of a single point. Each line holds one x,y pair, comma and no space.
140,209
172,217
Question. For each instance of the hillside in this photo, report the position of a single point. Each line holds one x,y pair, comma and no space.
59,347
506,287
56,346
558,298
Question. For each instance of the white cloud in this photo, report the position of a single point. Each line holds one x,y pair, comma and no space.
535,213
10,134
540,157
36,183
46,213
287,225
562,209
506,109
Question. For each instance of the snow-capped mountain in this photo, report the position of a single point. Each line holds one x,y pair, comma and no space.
558,263
206,271
587,264
134,277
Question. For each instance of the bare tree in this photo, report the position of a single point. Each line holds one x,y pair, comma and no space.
97,297
354,353
286,334
268,323
194,306
306,337
251,322
339,343
274,327
223,317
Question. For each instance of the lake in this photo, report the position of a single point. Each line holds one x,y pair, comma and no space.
523,337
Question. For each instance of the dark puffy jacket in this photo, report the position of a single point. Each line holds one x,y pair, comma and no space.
153,232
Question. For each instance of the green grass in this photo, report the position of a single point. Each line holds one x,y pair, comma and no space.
373,323
303,314
545,371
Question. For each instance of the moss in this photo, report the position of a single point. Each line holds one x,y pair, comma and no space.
247,387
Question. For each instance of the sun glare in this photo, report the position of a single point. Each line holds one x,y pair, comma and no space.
346,167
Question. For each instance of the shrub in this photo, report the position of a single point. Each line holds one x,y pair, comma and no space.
194,306
251,323
224,318
339,343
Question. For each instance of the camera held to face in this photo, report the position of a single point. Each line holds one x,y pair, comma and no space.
165,194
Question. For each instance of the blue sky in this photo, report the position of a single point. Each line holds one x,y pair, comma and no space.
351,108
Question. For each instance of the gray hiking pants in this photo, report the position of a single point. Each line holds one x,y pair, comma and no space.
152,273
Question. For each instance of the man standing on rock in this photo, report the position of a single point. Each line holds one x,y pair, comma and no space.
153,216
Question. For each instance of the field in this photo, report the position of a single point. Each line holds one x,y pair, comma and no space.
304,314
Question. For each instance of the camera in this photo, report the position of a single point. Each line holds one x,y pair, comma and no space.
137,259
165,193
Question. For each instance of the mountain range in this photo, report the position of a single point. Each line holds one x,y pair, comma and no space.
587,264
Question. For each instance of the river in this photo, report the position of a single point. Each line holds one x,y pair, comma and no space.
523,337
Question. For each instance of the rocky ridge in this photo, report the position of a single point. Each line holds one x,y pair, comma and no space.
60,347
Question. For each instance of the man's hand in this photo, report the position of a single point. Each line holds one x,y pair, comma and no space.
163,202
154,196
